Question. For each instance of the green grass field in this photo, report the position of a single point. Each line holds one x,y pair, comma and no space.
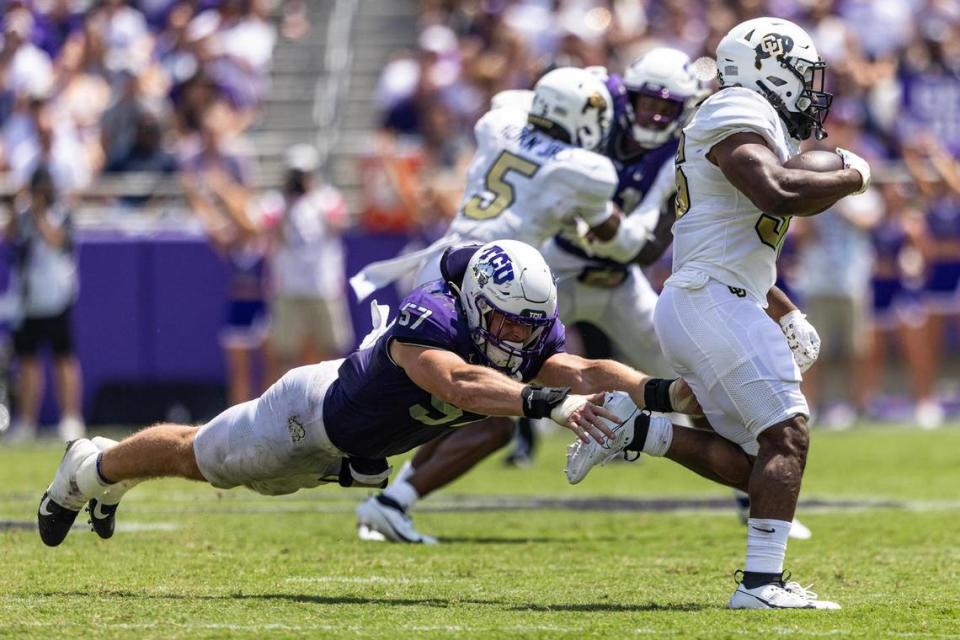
192,562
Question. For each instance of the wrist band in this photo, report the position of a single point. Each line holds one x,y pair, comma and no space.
539,401
656,395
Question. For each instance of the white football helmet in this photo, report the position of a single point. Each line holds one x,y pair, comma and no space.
572,105
663,93
778,59
512,279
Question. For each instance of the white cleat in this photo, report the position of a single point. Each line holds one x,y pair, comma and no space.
583,456
380,519
777,596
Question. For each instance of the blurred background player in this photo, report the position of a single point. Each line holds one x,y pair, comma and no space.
835,257
217,186
899,317
46,277
310,321
603,285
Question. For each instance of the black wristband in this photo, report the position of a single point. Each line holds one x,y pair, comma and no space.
538,401
656,395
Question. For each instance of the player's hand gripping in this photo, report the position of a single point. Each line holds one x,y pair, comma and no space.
853,161
802,338
584,416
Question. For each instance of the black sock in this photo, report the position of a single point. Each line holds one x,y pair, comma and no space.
753,579
641,425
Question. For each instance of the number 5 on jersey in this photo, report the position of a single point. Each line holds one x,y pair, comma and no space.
482,206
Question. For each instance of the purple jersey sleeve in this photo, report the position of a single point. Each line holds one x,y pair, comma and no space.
556,342
428,318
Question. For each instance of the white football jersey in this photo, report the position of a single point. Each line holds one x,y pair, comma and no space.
719,233
526,186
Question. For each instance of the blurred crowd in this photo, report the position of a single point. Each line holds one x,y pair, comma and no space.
879,276
96,87
116,86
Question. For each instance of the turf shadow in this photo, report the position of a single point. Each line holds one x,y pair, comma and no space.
395,602
524,540
612,606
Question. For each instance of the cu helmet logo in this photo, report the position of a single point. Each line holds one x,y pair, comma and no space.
595,101
772,45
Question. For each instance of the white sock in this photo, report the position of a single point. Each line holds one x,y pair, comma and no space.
659,437
405,472
403,493
89,482
766,545
117,490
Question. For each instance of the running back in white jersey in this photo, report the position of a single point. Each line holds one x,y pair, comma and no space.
527,186
719,233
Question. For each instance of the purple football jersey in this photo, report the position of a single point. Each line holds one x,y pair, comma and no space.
375,410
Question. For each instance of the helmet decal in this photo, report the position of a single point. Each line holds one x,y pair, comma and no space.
595,101
494,264
772,45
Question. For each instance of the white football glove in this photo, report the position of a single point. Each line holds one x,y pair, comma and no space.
853,161
802,339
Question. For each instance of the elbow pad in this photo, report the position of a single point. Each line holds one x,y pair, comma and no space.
633,234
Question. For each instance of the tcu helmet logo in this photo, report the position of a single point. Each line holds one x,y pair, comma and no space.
772,45
494,264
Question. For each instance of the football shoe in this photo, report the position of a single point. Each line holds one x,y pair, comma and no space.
777,595
381,519
583,456
62,500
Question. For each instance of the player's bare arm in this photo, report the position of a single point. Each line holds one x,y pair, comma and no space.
482,390
583,375
753,168
778,303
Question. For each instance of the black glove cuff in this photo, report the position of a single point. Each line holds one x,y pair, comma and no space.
656,395
539,401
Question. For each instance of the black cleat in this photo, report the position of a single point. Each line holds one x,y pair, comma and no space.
54,521
103,518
